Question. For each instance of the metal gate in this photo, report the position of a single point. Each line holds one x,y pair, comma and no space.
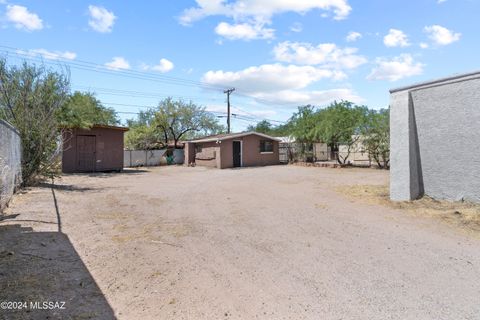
286,152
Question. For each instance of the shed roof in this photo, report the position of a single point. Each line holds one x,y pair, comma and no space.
110,127
98,126
227,136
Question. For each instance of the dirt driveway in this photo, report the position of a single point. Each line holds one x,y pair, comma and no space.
194,243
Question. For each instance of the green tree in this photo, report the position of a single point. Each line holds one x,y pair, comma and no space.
263,126
179,119
171,120
29,99
376,136
83,110
340,124
303,123
143,133
267,127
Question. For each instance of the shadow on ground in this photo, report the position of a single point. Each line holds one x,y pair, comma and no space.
44,266
64,187
110,174
38,267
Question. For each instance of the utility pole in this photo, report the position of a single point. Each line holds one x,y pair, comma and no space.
228,92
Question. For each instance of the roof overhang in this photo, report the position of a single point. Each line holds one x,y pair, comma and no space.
98,126
440,81
234,136
110,127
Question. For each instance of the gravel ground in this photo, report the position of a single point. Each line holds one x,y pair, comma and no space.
257,243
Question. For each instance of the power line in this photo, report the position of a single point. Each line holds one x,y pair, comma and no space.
258,117
141,94
93,67
218,114
126,112
133,74
252,118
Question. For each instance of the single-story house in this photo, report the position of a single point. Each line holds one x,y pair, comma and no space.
97,149
232,150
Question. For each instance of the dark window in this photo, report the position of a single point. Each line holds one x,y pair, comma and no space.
266,146
198,148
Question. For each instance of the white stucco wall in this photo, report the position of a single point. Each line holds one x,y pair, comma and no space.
435,140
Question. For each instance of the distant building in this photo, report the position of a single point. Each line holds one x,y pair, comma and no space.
233,150
91,150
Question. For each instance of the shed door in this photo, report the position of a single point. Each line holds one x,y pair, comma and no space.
86,153
237,154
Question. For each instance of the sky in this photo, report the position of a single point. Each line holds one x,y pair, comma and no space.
277,54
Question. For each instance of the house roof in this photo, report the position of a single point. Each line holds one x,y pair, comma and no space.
440,81
288,139
227,136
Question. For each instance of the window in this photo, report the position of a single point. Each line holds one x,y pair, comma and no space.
198,148
266,146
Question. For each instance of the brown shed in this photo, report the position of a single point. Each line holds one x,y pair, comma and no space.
244,149
99,148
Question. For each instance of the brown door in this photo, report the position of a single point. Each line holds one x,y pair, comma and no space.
86,153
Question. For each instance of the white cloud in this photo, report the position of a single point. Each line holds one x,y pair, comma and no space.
23,19
353,36
188,71
163,66
50,55
271,77
423,45
325,54
118,63
101,19
296,27
244,31
441,1
309,97
395,69
396,38
261,10
281,84
441,35
259,113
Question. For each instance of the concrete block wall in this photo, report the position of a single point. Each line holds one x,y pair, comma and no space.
150,158
10,162
435,139
142,158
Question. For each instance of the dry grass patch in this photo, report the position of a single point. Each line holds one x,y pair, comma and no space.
153,232
112,216
321,206
463,214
